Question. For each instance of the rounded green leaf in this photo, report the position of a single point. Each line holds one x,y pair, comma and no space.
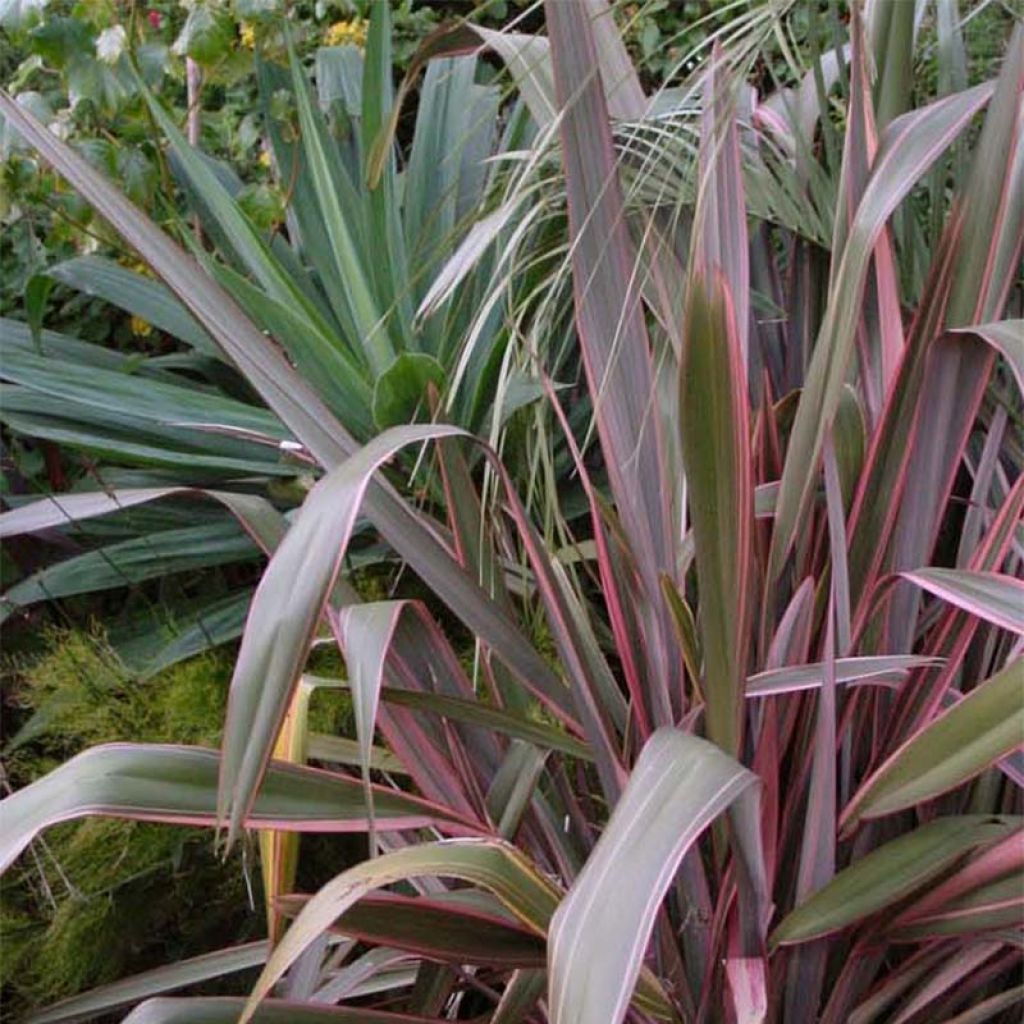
400,393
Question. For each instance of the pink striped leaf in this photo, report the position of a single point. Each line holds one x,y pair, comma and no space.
1007,337
491,864
989,1008
450,927
816,866
958,367
896,984
487,717
365,632
992,596
748,987
609,317
226,1010
887,875
287,606
953,974
909,147
398,641
880,334
953,748
1003,859
879,669
720,238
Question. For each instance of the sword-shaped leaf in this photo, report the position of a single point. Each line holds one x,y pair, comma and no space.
887,875
679,785
960,743
992,596
613,338
136,294
226,1009
909,147
178,785
294,401
715,435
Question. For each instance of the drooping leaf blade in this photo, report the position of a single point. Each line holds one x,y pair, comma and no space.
152,782
291,398
490,863
793,678
679,785
226,1010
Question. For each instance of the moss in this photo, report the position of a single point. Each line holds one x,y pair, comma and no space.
100,899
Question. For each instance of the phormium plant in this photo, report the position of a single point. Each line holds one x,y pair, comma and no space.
772,771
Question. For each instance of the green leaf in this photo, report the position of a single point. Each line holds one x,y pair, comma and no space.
267,370
679,785
263,522
61,40
715,435
513,785
348,259
257,10
962,742
491,718
400,392
463,926
141,296
339,750
207,35
178,785
21,15
154,554
291,398
37,291
886,875
138,174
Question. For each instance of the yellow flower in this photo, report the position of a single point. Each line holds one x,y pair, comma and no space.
263,159
141,327
351,33
248,34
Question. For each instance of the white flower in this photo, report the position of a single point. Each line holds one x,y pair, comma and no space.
110,44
